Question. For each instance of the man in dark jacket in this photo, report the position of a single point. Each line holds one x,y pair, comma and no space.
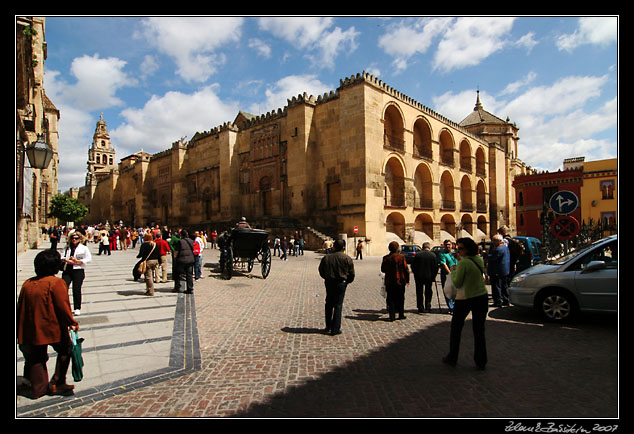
184,261
425,269
337,270
498,271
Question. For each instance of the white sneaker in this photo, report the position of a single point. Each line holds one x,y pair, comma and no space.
76,312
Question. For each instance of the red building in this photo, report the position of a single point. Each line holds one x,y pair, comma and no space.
533,193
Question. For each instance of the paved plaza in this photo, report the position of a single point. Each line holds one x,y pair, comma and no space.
253,348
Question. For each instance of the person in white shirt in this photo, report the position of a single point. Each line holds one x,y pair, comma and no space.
198,265
76,256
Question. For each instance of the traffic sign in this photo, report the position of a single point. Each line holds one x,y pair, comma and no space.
564,202
356,229
565,227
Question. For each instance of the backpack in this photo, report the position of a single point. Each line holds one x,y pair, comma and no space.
196,248
516,247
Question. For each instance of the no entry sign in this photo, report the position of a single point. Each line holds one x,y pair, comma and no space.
565,227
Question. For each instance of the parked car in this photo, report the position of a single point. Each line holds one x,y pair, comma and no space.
409,251
585,280
532,253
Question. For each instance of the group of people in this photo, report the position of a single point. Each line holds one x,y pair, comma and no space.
284,247
44,315
468,266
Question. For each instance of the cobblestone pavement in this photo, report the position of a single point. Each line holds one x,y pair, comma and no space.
251,347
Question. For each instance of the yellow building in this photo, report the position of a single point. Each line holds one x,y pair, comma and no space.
364,156
599,193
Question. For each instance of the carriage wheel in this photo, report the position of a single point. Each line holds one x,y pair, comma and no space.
250,265
227,267
266,261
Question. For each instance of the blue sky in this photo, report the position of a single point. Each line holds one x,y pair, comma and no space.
157,79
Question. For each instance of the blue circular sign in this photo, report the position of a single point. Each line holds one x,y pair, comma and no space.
564,202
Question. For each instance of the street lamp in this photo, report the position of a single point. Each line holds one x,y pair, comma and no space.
39,153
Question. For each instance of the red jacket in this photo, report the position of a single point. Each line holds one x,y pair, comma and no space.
395,268
43,311
164,246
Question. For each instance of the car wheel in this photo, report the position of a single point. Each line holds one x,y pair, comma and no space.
556,305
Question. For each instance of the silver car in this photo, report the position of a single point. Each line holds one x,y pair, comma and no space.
586,280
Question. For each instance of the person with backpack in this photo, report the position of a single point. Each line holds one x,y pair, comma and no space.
516,249
184,262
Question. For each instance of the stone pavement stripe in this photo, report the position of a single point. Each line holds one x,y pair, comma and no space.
106,327
184,358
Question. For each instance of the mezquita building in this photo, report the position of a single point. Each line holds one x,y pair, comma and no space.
363,160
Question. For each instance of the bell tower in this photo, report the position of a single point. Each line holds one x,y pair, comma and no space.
101,155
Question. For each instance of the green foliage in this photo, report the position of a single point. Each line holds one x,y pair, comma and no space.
67,209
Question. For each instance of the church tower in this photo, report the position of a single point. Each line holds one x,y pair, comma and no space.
101,155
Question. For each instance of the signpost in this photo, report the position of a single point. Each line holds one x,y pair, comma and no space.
565,227
564,202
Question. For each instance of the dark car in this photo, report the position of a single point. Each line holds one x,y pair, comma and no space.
410,251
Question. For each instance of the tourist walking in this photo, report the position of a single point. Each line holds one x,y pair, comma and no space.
498,269
43,318
198,256
337,270
151,255
448,262
472,297
184,262
425,270
396,272
76,256
164,249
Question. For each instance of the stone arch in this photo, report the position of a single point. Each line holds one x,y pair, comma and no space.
393,127
395,224
423,138
423,187
465,155
480,162
394,171
447,199
466,194
446,147
448,227
424,223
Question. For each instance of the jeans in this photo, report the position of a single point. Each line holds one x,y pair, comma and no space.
478,306
198,266
499,291
188,270
77,278
335,292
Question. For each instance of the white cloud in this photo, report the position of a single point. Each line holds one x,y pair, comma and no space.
516,85
555,121
286,88
409,38
192,42
470,40
165,119
260,47
97,81
600,31
312,36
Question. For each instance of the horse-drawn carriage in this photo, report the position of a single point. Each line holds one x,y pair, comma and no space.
244,246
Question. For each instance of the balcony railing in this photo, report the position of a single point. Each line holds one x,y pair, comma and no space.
393,142
396,201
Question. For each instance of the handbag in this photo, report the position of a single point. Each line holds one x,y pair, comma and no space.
143,266
449,289
76,357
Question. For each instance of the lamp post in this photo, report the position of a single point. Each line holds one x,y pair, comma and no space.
39,153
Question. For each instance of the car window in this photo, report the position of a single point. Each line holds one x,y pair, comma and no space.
608,253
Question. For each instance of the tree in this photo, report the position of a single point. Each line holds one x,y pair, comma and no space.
67,209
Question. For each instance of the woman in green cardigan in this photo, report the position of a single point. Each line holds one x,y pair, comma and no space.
472,296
